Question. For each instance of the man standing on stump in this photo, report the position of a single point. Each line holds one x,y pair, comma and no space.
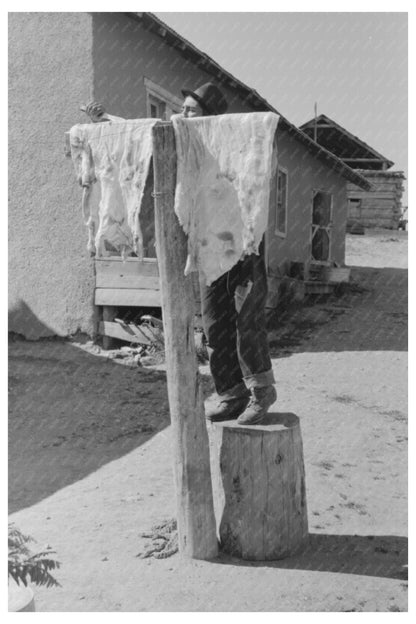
233,309
233,315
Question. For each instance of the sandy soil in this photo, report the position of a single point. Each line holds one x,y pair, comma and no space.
90,461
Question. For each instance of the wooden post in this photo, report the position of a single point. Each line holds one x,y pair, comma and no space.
109,314
196,520
259,487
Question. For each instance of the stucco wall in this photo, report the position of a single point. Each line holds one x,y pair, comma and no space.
306,174
125,53
50,75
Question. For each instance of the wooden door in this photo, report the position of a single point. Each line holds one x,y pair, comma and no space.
321,226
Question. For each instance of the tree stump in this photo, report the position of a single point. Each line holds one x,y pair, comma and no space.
259,487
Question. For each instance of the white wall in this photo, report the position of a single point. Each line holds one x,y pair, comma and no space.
51,281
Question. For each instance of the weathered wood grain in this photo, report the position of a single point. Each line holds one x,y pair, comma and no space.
126,331
127,297
196,520
125,280
259,487
109,313
114,267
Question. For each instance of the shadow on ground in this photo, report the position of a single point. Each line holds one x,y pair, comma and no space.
370,314
383,556
71,412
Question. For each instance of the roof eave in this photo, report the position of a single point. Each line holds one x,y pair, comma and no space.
207,63
310,123
210,66
333,161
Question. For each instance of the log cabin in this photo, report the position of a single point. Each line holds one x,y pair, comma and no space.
381,205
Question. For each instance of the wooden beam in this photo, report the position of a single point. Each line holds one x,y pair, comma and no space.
195,509
132,273
130,332
109,313
127,297
378,160
124,280
318,288
148,266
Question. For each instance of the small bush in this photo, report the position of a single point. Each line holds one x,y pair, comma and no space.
25,566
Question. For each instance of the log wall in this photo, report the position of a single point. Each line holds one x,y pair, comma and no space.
380,207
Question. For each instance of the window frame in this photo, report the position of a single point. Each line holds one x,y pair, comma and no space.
281,233
154,91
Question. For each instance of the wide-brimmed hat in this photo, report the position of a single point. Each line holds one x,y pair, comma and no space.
209,97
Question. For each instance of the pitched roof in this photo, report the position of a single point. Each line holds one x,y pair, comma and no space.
248,95
348,147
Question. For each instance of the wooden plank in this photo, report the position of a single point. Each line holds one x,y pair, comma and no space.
125,332
336,275
109,313
378,160
114,280
195,509
127,297
150,263
109,269
318,288
373,195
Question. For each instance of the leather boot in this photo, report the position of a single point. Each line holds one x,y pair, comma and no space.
261,399
227,409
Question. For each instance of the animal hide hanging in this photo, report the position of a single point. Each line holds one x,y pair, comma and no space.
225,164
117,155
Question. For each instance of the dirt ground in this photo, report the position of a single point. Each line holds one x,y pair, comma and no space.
90,461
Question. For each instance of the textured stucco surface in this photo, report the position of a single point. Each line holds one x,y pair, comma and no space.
51,280
305,174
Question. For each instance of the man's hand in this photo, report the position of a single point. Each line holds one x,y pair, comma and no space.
95,111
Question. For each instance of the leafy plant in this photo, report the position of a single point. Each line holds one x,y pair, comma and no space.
25,566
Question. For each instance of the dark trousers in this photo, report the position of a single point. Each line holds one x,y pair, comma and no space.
233,314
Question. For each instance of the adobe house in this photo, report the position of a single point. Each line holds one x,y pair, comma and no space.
136,65
379,207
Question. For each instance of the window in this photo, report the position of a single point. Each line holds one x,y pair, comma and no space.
354,208
157,108
281,193
160,103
